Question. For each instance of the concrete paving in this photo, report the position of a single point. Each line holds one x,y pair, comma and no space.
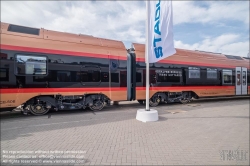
200,133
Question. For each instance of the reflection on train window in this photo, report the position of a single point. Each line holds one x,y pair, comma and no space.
90,76
244,78
227,77
3,56
70,76
165,77
115,77
82,76
105,77
194,72
238,77
123,79
248,77
53,76
40,78
169,75
161,78
211,73
4,74
63,76
94,76
31,65
138,77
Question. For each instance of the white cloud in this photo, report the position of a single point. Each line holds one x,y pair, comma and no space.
125,20
102,18
214,12
226,44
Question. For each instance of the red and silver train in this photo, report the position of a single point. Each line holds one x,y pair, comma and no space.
43,70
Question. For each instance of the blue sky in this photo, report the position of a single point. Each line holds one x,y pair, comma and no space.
216,26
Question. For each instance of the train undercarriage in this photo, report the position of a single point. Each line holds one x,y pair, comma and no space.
169,97
42,104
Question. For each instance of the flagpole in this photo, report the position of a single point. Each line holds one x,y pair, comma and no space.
147,115
147,61
159,45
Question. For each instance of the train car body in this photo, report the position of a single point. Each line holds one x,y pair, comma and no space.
188,74
61,70
44,70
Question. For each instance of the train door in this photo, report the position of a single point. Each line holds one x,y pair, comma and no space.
244,81
131,77
241,81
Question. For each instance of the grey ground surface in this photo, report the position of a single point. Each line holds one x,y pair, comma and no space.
214,132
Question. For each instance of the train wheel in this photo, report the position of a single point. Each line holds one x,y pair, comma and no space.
97,105
38,109
154,101
184,101
142,102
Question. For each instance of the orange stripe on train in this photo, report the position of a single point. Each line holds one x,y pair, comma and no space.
56,90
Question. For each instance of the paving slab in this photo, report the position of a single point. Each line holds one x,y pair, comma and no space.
201,133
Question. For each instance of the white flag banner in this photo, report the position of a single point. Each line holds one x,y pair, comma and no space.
160,30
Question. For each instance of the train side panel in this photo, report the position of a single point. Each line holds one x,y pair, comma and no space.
77,65
173,73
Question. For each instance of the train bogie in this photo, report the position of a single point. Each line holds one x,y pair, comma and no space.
40,105
169,97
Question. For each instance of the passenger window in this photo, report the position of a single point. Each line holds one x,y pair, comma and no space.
3,56
39,79
82,76
30,65
105,77
194,72
138,77
238,77
89,76
248,77
63,76
227,77
115,77
55,76
211,73
94,76
244,82
166,78
4,74
168,75
152,78
161,78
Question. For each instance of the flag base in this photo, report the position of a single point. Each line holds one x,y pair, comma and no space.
147,116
